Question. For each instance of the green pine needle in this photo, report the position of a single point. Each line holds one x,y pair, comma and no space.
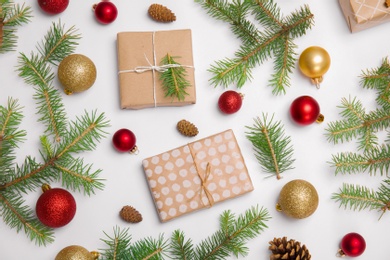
180,247
174,79
117,245
273,149
276,40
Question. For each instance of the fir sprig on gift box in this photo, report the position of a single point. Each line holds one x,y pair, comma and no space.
276,40
11,16
61,143
372,156
230,239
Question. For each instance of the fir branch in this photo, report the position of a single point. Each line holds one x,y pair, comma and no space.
117,245
374,160
19,216
173,79
181,249
359,198
258,46
148,248
34,70
272,147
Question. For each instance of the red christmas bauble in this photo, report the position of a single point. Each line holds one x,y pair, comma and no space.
53,6
352,244
124,140
105,12
230,102
304,110
55,207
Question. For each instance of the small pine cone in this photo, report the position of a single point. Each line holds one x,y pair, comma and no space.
387,3
161,13
289,250
187,128
130,214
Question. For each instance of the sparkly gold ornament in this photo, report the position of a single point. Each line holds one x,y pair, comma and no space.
298,199
75,252
314,62
76,73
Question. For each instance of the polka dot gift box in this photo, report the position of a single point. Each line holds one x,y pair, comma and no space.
197,175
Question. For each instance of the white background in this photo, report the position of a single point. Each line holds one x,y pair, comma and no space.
156,133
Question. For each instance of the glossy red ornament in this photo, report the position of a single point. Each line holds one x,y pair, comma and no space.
230,102
55,207
124,140
53,6
105,12
352,244
305,110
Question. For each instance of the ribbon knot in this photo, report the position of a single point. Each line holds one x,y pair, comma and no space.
203,187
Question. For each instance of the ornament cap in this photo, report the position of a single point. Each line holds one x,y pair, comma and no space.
68,92
340,253
317,81
95,255
278,207
45,187
320,118
134,151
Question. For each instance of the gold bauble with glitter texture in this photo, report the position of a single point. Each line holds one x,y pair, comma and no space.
298,199
76,73
75,252
314,62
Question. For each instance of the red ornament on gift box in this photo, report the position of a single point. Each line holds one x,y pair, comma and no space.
230,102
352,244
105,12
53,6
305,110
124,141
55,207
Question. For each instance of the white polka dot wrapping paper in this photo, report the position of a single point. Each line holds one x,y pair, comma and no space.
363,14
197,175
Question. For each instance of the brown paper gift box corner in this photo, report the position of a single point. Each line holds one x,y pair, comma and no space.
144,49
197,175
364,14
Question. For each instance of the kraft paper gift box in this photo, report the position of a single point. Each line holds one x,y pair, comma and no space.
197,175
363,14
139,56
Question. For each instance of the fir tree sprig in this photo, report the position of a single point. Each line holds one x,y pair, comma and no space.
229,239
258,46
11,16
273,149
174,79
359,198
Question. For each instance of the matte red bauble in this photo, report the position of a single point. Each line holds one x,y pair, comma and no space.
230,102
53,6
105,12
124,140
352,244
305,110
55,207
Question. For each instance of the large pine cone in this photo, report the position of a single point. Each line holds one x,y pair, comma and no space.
288,250
187,128
161,13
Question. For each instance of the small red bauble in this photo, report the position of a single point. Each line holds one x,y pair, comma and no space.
352,244
124,140
55,207
105,12
230,102
305,110
53,6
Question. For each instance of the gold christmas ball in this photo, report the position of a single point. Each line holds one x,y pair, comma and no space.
75,252
314,62
298,199
76,73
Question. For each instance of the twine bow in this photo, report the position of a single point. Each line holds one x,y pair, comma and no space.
203,187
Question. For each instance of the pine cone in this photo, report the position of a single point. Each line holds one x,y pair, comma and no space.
187,128
387,3
289,250
130,214
161,13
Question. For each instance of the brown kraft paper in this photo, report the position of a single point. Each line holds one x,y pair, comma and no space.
364,14
197,175
137,50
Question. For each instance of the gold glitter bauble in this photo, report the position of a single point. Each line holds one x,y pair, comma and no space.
76,73
76,253
298,199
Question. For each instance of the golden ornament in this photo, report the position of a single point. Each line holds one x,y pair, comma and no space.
314,62
298,199
75,252
76,73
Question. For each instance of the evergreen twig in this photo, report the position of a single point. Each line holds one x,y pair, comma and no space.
273,149
258,46
174,79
